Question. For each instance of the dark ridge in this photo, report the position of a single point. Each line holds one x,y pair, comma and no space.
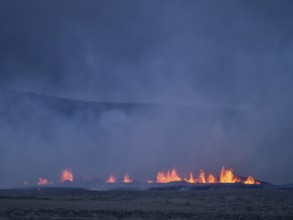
64,106
68,105
16,106
286,186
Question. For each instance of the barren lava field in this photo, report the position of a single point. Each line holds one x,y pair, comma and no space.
62,203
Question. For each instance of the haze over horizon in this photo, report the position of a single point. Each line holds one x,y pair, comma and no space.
215,77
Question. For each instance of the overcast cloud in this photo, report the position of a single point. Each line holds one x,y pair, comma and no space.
220,70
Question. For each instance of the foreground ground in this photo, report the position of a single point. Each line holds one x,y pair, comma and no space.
202,204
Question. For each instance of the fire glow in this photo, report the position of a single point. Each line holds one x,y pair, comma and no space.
66,176
127,179
111,179
226,176
169,176
42,181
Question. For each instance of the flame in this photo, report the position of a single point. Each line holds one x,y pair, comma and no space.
127,179
167,177
227,176
42,181
211,178
191,179
201,177
66,175
251,180
111,179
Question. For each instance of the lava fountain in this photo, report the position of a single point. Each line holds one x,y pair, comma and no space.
111,179
127,179
170,176
251,180
226,176
42,181
66,176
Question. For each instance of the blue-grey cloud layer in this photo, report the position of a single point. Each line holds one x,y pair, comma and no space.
221,55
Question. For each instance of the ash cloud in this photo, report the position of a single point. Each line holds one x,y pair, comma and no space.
192,85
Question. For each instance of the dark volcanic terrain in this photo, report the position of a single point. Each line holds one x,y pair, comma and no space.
57,203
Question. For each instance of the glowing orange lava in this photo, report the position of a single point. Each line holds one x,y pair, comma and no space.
170,176
42,181
111,179
201,177
66,176
251,180
227,176
127,179
191,179
211,178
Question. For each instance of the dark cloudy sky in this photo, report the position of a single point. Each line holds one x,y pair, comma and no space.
232,56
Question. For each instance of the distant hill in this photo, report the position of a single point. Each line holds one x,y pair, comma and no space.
11,101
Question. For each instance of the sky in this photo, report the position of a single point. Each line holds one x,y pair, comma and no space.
219,74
